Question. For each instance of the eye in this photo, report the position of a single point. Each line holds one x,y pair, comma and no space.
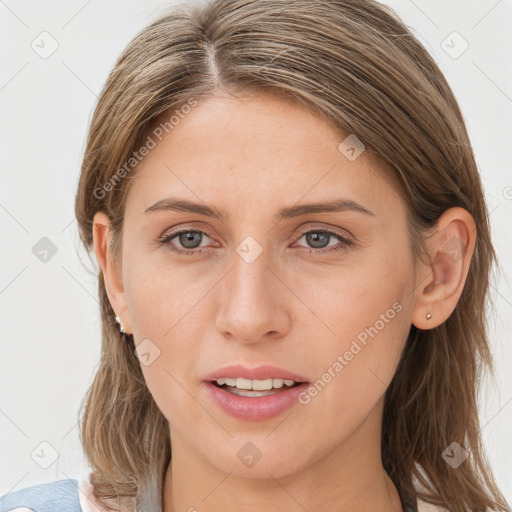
189,239
319,239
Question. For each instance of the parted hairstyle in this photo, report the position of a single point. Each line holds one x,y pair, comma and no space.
359,66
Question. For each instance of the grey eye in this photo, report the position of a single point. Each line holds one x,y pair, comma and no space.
190,239
318,239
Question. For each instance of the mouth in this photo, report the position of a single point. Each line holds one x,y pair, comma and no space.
257,393
254,404
254,388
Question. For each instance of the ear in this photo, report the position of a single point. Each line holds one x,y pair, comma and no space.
101,232
439,284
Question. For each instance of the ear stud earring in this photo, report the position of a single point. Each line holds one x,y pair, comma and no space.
121,328
429,316
122,331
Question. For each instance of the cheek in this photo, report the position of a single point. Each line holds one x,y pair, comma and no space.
164,308
365,314
160,295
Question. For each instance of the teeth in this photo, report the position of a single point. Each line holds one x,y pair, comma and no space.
278,383
257,385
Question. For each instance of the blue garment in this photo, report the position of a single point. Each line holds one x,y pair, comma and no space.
58,496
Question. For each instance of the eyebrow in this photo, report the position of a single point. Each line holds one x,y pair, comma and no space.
334,205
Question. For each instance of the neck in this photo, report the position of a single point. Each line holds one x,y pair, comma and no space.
350,477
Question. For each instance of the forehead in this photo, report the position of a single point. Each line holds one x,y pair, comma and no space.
257,150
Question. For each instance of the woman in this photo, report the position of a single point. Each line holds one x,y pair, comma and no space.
294,261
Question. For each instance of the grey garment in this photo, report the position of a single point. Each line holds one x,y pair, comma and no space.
58,496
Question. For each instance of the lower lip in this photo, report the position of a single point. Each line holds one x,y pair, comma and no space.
255,408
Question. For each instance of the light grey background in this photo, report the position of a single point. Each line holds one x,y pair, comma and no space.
49,312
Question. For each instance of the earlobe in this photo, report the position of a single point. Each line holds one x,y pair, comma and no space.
450,249
111,273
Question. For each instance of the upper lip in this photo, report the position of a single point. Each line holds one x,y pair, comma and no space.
262,372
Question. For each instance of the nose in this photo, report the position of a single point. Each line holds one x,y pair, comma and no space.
253,302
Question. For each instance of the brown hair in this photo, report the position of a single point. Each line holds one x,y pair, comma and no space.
355,63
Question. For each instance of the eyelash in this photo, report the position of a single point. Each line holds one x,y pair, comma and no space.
345,242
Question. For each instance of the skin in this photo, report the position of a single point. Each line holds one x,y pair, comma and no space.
252,156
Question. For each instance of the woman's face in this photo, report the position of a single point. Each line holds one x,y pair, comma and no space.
260,288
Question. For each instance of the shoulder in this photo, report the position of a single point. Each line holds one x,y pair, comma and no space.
53,496
66,495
